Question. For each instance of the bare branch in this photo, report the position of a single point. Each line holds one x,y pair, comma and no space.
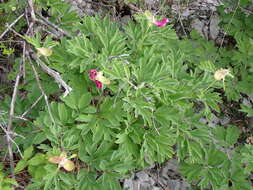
11,115
23,59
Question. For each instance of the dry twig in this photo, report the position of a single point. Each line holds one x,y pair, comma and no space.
9,26
8,136
53,74
42,90
46,22
32,13
30,108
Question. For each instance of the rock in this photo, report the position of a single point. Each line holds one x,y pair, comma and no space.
142,176
128,183
150,2
198,25
214,28
187,13
203,121
164,178
225,120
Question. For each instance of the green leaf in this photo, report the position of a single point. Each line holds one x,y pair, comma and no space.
20,166
109,182
71,100
28,153
246,109
84,118
39,138
207,66
39,172
232,135
67,178
7,187
1,166
38,159
63,113
220,133
89,109
84,100
215,157
191,171
195,151
10,181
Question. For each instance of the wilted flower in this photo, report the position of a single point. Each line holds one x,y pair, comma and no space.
98,84
45,51
221,74
63,161
98,78
152,19
92,74
161,23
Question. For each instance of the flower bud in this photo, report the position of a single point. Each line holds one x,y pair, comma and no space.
68,165
221,74
44,51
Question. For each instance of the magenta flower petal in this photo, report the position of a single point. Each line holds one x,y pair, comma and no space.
92,74
161,23
98,84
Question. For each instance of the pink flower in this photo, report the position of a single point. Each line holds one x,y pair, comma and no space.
98,84
93,74
98,78
161,23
